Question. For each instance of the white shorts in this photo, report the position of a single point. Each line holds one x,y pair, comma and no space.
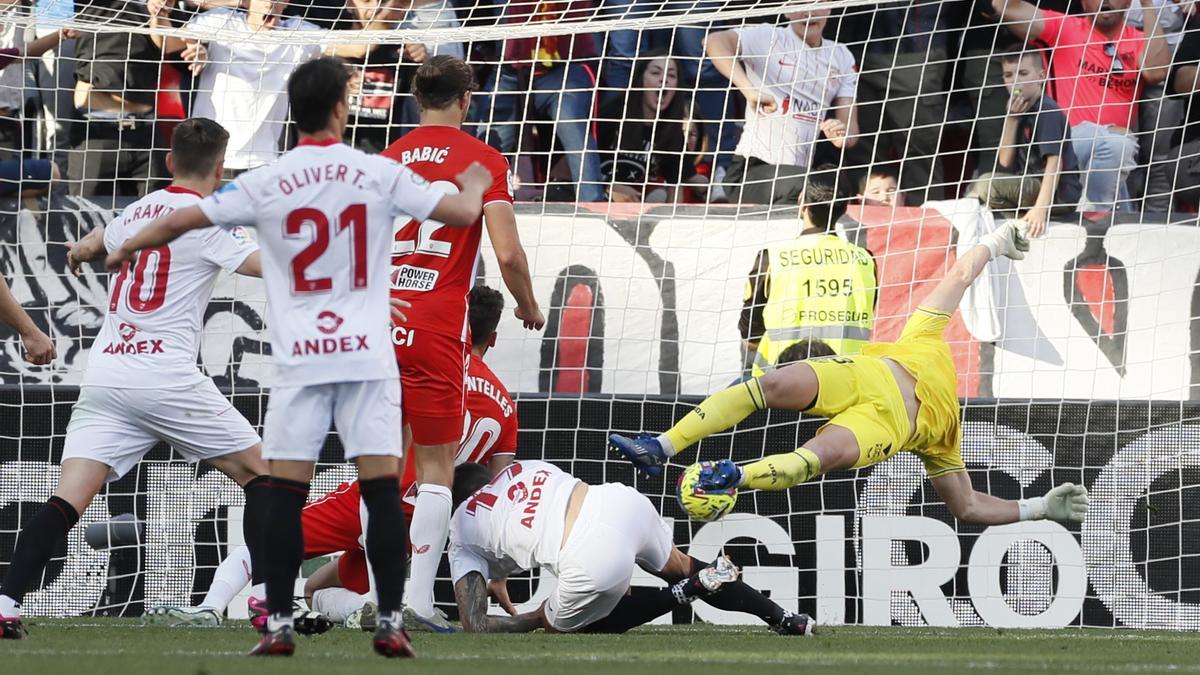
366,415
617,528
119,426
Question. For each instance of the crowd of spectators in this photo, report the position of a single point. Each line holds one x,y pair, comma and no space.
1038,109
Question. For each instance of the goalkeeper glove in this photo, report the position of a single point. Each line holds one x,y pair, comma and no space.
1007,240
1067,502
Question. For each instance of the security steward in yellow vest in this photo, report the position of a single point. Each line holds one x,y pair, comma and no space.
816,287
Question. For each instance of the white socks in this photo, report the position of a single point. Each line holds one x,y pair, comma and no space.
231,576
430,528
667,446
277,621
9,608
337,603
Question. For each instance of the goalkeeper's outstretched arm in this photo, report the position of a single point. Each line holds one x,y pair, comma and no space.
1006,240
1065,503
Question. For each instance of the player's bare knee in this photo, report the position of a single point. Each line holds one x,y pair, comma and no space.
435,463
289,469
253,460
376,466
80,481
793,387
242,467
835,447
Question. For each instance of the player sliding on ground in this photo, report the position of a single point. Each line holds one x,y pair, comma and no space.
324,215
892,397
591,537
142,385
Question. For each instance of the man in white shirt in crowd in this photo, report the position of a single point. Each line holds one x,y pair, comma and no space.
242,82
798,87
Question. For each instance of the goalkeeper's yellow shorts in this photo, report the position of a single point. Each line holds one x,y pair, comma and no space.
860,394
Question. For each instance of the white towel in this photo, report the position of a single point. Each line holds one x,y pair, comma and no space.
979,307
994,308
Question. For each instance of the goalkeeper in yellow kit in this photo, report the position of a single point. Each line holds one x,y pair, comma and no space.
894,397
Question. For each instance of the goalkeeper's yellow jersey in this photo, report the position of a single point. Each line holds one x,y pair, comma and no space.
922,351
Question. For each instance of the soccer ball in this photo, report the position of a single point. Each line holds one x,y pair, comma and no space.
700,504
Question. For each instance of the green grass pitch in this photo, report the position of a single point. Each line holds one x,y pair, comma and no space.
93,646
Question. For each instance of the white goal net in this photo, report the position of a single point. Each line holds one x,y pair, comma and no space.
657,147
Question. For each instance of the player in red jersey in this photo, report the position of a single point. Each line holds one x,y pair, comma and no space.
334,523
433,268
489,431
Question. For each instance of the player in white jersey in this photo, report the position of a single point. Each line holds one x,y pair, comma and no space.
142,384
534,514
324,214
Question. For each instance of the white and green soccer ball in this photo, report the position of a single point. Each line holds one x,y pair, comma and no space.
702,505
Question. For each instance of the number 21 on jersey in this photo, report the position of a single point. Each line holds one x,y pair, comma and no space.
314,223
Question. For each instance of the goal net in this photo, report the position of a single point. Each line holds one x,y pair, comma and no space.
657,147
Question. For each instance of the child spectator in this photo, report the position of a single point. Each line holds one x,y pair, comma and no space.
881,187
20,174
700,152
1039,171
1100,67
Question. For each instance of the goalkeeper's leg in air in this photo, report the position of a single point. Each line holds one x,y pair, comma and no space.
893,397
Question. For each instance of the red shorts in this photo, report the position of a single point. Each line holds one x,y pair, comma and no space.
352,571
433,374
333,523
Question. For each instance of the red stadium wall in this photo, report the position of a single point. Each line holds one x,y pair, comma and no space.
913,251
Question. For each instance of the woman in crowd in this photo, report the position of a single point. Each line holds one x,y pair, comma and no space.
643,135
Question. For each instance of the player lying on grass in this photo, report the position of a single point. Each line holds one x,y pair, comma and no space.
433,269
142,385
334,523
892,397
591,537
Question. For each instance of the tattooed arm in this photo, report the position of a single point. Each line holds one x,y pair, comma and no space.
472,595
